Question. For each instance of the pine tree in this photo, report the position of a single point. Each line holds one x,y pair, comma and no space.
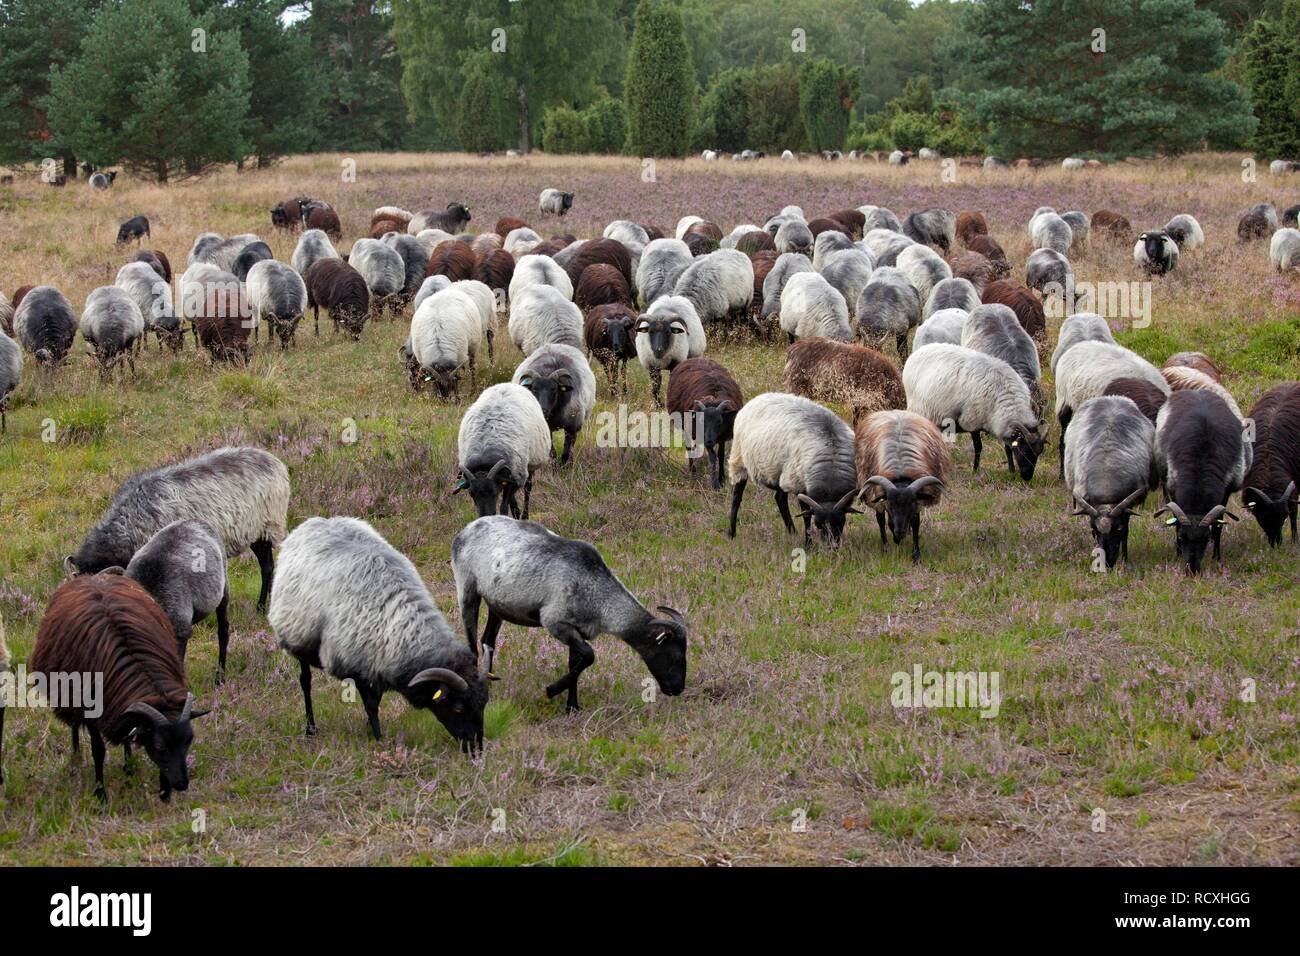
660,83
825,99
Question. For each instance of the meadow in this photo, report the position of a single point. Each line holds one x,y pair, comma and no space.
1121,691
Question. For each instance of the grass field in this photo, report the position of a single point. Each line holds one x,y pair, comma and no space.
1120,691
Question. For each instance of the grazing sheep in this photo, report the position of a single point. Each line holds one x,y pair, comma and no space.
820,225
453,259
521,241
609,252
1183,377
388,219
1072,163
1109,469
951,294
787,265
755,242
794,236
503,440
996,162
995,330
1280,167
662,263
1269,486
184,567
287,214
1080,228
968,225
530,577
217,313
878,217
706,398
793,446
610,333
684,224
155,260
632,235
222,253
1291,217
843,373
534,270
1112,225
445,335
249,256
277,295
1050,273
1080,327
933,227
1147,397
351,604
885,245
1185,231
11,373
600,285
811,306
415,259
561,381
153,297
44,324
1284,249
313,246
827,243
1255,225
242,493
495,270
898,158
108,625
428,287
719,285
848,272
1201,460
100,180
1022,302
137,227
851,222
902,466
341,290
554,202
889,305
453,219
945,325
384,272
923,268
1050,231
1087,368
6,315
111,323
1197,360
976,269
540,314
988,247
968,391
667,334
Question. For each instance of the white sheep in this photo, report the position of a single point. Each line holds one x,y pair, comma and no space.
111,322
684,224
667,334
503,440
1185,231
1284,249
313,245
951,293
878,217
445,335
662,262
278,295
1080,327
539,270
1050,231
811,306
520,242
540,314
718,285
943,325
923,268
153,297
554,202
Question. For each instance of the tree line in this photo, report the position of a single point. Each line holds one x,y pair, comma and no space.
171,88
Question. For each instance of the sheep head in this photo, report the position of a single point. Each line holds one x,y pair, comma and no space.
901,502
1026,446
166,740
1109,523
661,642
553,393
828,519
1194,533
456,700
660,329
485,487
1270,512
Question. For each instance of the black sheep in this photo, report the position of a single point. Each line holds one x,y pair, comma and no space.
137,227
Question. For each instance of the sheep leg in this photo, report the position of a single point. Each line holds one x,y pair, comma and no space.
916,537
262,549
2,743
1011,462
490,632
654,387
880,522
568,447
223,635
370,701
721,457
473,375
783,506
1295,506
469,602
979,447
1063,419
128,765
528,493
1216,535
304,681
581,656
492,353
737,493
316,316
97,751
1123,544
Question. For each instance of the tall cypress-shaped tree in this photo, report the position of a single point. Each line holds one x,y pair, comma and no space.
825,99
1266,66
660,83
1044,86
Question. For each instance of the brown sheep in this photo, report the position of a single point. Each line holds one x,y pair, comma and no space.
902,464
610,333
706,398
548,248
287,214
705,228
988,247
970,225
851,222
818,226
700,244
19,294
974,268
1269,488
1197,360
1112,225
1145,396
1253,225
108,625
453,259
396,219
652,232
342,291
601,284
323,217
1022,302
485,243
843,373
221,327
756,241
507,224
495,270
608,252
156,260
763,261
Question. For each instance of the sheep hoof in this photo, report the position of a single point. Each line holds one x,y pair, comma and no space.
491,676
311,730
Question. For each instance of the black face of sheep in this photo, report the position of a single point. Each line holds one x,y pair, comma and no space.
616,332
457,703
1024,450
553,394
659,330
661,642
827,520
445,378
1272,513
459,213
1194,533
901,506
485,488
566,203
167,742
1109,525
711,427
1154,245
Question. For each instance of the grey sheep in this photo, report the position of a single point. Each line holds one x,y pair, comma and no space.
44,324
561,381
153,297
787,265
313,245
503,440
951,293
811,306
794,236
849,272
720,285
662,262
1080,327
889,305
278,296
1049,231
878,217
932,227
995,330
540,314
11,373
111,323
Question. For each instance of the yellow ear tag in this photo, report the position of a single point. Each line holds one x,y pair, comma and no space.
1016,443
436,694
1171,520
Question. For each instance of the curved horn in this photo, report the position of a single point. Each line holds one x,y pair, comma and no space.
1174,510
673,614
1212,515
1084,508
846,500
145,710
1128,503
808,502
69,568
880,481
442,674
496,469
1290,490
925,481
1260,492
189,706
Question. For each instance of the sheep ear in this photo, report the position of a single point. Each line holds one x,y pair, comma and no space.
69,568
